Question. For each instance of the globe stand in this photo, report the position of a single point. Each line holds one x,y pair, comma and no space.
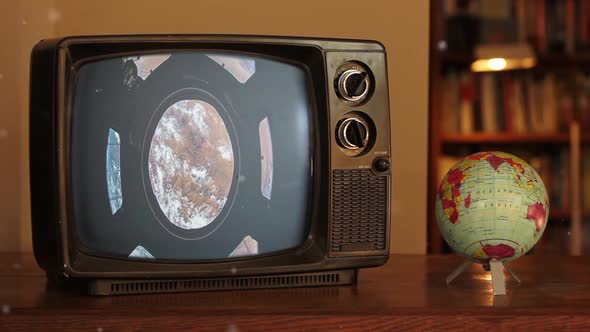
495,266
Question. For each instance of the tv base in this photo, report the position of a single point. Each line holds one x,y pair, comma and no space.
496,268
146,286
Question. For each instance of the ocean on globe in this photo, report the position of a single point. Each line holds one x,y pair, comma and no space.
492,205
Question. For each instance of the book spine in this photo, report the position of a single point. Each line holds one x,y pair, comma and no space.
581,35
449,117
477,116
535,99
556,26
508,103
549,113
518,105
531,21
584,23
566,179
526,102
520,9
488,103
499,95
565,104
541,27
466,103
570,18
448,8
583,100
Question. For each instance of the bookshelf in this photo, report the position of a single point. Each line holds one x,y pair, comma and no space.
504,138
558,143
574,60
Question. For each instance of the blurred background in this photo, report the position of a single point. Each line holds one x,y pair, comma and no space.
402,26
464,75
514,75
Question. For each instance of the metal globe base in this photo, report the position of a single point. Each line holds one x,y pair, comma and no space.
495,266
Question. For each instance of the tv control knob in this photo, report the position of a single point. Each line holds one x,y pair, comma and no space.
354,84
381,165
353,134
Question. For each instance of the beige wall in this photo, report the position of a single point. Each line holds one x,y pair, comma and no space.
401,25
10,141
22,24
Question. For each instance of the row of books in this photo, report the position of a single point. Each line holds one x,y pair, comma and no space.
513,102
554,169
553,26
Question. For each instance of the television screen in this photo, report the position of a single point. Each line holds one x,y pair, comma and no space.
191,155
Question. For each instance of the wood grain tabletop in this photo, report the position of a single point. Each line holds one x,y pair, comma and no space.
408,293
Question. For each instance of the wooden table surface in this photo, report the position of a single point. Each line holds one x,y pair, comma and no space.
408,293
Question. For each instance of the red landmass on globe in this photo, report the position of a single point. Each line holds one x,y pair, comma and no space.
454,178
456,191
498,251
537,213
479,156
450,204
468,201
496,161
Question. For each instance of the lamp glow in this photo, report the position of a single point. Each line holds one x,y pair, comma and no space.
499,57
497,63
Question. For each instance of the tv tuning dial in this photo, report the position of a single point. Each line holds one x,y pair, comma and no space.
353,134
353,83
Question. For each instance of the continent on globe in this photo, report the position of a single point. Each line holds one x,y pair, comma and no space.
492,205
451,203
495,160
498,251
537,213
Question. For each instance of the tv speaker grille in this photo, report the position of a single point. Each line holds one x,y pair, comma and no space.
119,287
359,211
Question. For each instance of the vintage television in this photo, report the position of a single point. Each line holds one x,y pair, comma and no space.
164,163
